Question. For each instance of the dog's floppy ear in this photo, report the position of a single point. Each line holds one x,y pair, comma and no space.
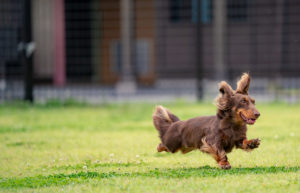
224,100
225,89
243,84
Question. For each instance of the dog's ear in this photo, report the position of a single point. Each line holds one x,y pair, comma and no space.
243,84
224,100
225,89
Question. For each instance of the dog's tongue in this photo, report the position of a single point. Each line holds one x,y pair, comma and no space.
251,121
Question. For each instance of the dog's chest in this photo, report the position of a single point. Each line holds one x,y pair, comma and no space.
229,137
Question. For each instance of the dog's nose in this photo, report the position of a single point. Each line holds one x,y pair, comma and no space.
256,114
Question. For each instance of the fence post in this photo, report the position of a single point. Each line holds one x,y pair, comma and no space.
127,82
27,52
219,37
199,53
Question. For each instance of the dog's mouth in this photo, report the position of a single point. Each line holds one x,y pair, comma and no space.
249,121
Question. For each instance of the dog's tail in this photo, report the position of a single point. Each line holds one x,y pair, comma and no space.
162,119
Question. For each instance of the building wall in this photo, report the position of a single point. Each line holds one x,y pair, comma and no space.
261,39
254,45
175,44
110,46
291,61
266,41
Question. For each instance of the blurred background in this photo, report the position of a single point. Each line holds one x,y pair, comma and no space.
147,50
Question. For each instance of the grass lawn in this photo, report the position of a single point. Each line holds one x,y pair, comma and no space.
112,148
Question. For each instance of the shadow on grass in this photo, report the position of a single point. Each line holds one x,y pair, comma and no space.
81,177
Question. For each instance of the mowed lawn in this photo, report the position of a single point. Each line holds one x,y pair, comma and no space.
112,148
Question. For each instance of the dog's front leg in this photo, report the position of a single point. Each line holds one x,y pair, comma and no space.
217,153
248,145
223,162
161,148
220,157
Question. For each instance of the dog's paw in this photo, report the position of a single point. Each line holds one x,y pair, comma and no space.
253,143
161,148
224,165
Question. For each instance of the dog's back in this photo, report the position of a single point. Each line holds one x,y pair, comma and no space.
187,135
180,135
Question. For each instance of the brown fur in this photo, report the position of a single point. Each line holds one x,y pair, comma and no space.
243,84
215,135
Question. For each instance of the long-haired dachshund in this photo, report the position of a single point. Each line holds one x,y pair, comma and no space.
215,135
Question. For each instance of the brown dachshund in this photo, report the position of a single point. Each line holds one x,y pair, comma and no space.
215,135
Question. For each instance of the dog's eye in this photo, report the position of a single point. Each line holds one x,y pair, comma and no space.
244,101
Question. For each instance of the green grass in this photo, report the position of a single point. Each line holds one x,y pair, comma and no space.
112,148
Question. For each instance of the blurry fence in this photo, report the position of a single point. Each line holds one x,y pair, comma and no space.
115,50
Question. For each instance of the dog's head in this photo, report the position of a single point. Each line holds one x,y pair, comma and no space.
237,104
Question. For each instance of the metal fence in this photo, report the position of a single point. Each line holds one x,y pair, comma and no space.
141,50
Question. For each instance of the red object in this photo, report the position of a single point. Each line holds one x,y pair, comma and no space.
59,75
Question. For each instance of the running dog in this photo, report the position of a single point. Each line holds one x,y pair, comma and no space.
215,135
